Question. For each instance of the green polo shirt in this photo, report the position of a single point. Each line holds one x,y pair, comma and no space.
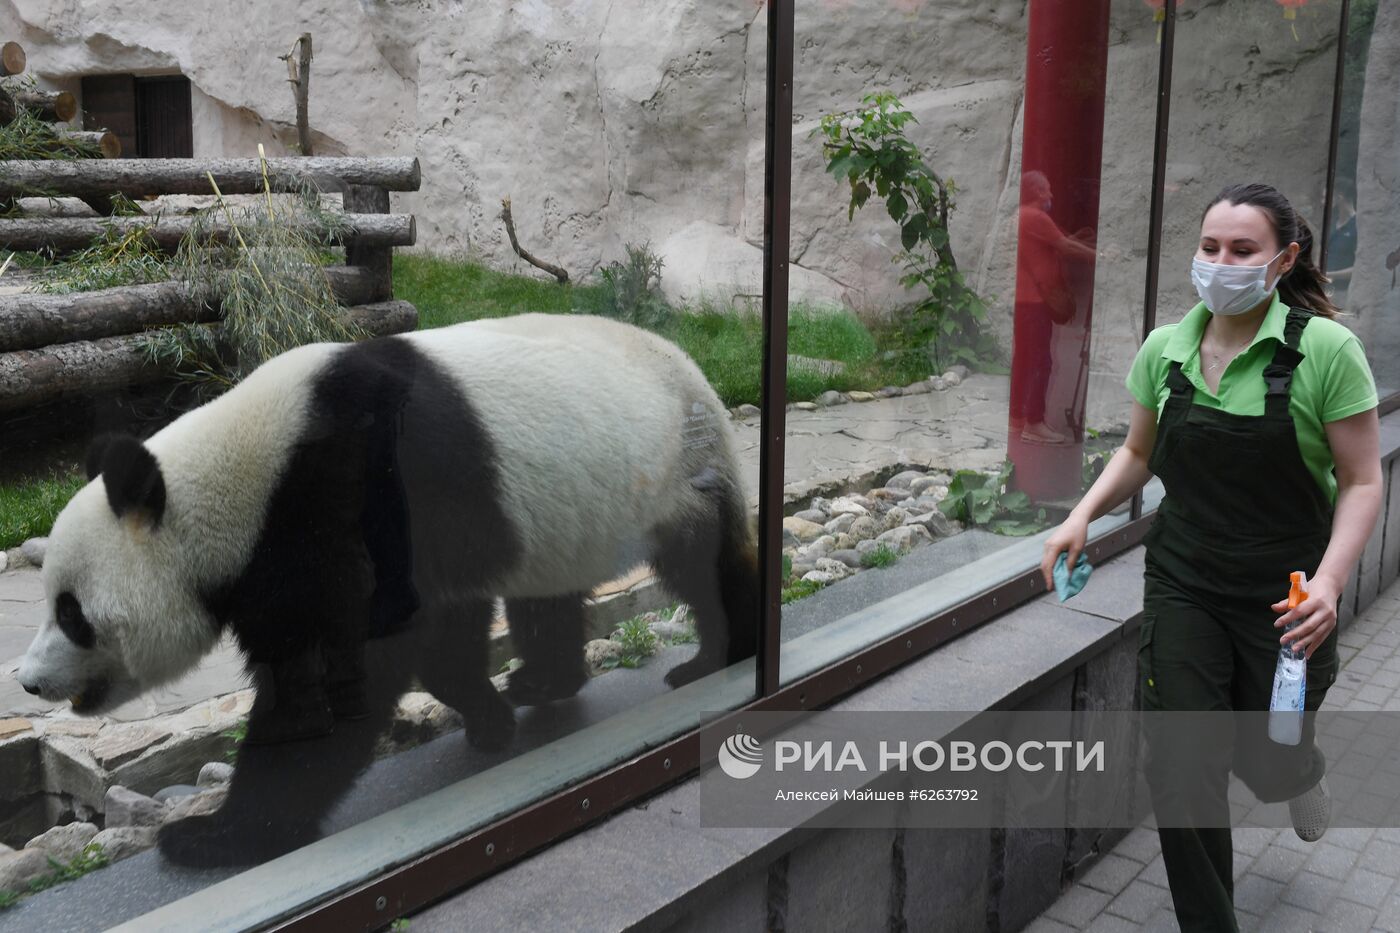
1333,381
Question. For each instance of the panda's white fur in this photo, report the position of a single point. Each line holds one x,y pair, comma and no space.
602,433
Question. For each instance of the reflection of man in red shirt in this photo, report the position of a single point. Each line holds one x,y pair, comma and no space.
1043,299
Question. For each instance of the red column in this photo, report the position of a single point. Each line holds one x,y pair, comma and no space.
1062,152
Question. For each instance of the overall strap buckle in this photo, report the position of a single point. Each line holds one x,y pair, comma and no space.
1177,382
1278,375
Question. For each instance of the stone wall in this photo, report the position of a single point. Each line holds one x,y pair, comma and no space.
630,121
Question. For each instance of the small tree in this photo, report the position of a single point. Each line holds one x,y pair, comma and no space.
867,148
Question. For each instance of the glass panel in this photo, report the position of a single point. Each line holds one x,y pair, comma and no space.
1365,247
998,339
470,566
1251,102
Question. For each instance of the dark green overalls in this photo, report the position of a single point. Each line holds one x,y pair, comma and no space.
1241,512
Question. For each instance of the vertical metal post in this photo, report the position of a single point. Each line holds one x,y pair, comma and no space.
777,212
1159,179
1337,90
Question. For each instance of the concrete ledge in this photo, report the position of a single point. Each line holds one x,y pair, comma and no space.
655,866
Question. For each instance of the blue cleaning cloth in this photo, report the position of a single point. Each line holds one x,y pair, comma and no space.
1069,583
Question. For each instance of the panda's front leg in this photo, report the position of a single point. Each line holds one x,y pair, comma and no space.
292,702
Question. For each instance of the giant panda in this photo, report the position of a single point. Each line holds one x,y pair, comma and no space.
350,512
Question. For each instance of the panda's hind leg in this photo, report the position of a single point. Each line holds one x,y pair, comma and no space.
454,666
710,563
548,633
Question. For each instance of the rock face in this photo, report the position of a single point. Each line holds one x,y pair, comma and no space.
638,121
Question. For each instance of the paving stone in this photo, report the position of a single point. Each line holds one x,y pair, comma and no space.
1354,839
1389,917
1381,856
1251,841
1366,887
1139,901
1155,872
1108,923
1163,921
1111,873
1140,845
1257,894
1347,917
1247,921
1078,906
1331,860
1044,924
1308,890
1278,863
1285,918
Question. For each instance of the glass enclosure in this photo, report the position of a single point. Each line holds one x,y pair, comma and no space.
375,598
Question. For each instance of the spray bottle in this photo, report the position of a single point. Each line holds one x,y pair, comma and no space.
1290,676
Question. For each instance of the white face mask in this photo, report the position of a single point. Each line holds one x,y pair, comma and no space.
1229,289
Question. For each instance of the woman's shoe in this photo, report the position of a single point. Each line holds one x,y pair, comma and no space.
1041,433
1311,812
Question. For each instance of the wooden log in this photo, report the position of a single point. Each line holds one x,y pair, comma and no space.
12,59
108,143
34,377
31,321
53,106
71,233
363,252
137,178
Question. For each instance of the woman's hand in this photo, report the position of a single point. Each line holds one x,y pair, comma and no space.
1318,614
1070,536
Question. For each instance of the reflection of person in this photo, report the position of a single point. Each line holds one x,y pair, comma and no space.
1245,434
1341,243
1043,299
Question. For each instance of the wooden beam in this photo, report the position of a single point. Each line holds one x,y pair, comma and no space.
29,321
72,233
137,178
34,377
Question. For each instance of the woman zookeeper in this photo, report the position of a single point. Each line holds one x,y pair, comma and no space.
1258,413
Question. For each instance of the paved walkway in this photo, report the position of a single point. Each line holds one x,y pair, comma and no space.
1347,881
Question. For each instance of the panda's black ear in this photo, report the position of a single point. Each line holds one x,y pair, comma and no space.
131,475
98,447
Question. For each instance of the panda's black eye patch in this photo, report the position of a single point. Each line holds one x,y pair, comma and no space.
72,623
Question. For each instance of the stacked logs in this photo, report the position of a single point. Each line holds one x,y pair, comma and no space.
50,106
53,346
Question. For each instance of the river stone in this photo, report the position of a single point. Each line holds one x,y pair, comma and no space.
831,397
838,569
118,745
4,560
937,384
861,396
790,539
601,650
64,843
848,556
670,630
890,392
852,505
815,516
802,567
905,538
805,406
175,792
844,541
821,547
125,807
119,842
904,479
864,527
865,547
17,869
818,576
840,524
886,494
214,774
918,388
923,484
895,517
34,550
935,523
959,370
805,531
200,804
748,411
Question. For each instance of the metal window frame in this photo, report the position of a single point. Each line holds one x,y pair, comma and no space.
494,847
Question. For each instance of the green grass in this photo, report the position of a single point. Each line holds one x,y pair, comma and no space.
8,899
725,342
28,508
90,859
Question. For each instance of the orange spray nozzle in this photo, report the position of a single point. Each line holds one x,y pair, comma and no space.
1297,588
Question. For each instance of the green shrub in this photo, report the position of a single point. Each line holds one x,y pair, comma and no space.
631,291
983,500
90,859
